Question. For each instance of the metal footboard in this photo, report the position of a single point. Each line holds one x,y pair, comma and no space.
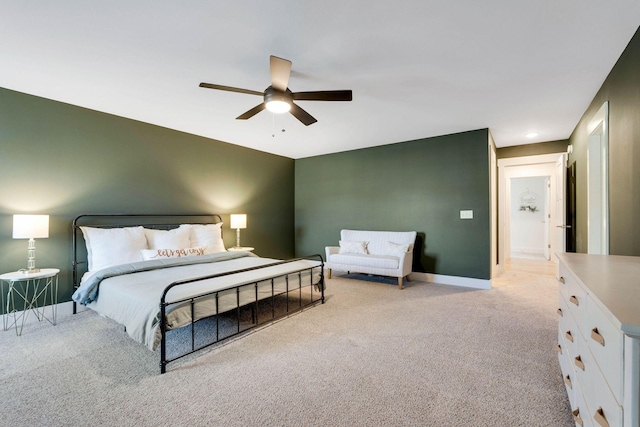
294,297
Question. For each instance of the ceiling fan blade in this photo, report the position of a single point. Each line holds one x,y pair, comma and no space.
280,72
255,110
324,95
231,89
306,118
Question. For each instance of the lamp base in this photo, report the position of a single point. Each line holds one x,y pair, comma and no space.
31,258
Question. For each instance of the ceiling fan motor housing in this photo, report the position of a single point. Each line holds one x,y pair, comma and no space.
271,94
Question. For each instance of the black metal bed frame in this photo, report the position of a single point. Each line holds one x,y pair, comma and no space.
313,297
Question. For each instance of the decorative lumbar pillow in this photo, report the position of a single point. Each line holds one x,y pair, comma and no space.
208,236
113,246
148,254
347,247
397,249
168,239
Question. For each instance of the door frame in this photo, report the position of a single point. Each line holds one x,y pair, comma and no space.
598,182
505,167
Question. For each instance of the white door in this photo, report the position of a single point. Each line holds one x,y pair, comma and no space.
561,208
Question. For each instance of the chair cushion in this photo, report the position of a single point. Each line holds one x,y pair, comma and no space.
374,261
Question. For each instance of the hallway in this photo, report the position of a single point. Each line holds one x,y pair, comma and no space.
531,266
525,272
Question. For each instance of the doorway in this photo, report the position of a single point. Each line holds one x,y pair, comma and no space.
530,217
544,165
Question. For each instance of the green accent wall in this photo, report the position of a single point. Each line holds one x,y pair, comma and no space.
622,89
63,160
418,185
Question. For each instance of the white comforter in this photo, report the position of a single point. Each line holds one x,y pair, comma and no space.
133,299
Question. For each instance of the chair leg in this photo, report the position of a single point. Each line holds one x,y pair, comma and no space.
400,282
328,273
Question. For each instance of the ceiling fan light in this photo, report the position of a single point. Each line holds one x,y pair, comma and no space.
277,106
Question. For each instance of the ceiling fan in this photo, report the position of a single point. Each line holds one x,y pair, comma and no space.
279,99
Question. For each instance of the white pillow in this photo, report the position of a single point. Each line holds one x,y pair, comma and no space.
148,254
209,236
168,239
397,249
113,246
347,247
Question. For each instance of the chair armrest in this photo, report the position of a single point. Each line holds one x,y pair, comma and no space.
330,250
406,262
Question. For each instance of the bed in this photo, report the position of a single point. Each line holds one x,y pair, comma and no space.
156,274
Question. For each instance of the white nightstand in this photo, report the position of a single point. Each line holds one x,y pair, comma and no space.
28,287
241,248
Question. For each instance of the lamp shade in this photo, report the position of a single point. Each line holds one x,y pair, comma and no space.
238,221
30,226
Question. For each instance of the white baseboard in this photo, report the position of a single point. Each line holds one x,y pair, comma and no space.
467,282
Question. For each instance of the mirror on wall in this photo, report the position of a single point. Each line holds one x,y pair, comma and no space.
598,182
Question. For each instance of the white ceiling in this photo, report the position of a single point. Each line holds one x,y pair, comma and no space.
417,68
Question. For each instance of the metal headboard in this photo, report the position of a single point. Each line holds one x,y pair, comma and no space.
156,221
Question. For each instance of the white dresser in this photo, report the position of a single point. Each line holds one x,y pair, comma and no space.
599,337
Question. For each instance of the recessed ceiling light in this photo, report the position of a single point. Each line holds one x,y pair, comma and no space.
532,134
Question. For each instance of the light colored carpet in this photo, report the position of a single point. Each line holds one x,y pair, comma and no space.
372,355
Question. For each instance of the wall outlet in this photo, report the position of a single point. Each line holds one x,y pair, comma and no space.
466,214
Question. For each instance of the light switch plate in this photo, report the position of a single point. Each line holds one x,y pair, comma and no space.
466,214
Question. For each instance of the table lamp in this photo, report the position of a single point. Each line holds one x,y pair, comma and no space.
31,227
238,221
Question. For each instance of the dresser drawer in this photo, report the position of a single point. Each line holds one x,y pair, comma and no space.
576,301
568,374
606,344
568,328
562,281
581,412
564,314
599,399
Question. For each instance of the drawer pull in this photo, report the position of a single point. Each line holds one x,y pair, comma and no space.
600,418
579,363
561,279
569,336
559,349
567,381
576,417
560,312
595,335
574,300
